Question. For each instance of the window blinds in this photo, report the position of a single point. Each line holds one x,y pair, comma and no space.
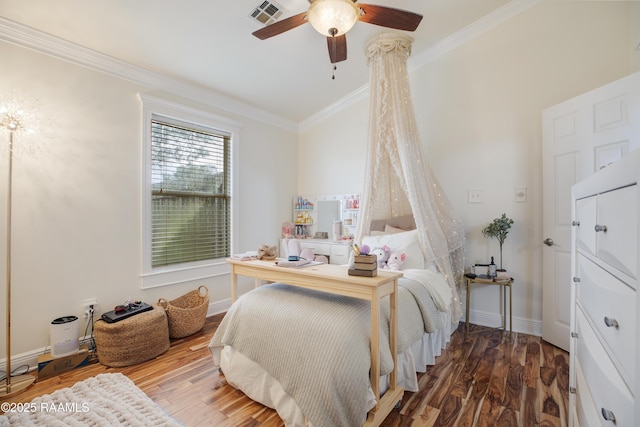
190,175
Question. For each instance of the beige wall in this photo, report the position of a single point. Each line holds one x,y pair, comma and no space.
77,207
479,112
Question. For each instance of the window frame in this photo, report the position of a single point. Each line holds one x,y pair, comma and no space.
200,119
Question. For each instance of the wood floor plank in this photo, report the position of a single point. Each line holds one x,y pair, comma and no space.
480,381
513,388
508,418
449,411
427,417
492,403
414,401
443,387
519,354
562,379
472,404
485,366
551,421
550,398
529,411
532,364
548,354
465,378
502,362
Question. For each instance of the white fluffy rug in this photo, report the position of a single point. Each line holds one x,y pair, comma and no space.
103,400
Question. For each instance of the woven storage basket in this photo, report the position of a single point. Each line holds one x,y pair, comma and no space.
134,340
186,314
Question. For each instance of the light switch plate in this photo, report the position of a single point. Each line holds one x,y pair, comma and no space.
520,194
474,196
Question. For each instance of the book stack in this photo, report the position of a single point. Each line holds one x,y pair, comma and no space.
247,256
364,265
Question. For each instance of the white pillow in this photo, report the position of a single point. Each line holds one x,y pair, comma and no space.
392,230
407,242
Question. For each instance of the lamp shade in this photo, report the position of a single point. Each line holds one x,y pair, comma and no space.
332,17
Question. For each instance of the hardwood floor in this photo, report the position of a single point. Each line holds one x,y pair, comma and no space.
486,380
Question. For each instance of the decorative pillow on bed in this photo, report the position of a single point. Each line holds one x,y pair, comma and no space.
407,242
392,230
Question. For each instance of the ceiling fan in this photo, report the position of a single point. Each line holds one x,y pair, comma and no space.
333,18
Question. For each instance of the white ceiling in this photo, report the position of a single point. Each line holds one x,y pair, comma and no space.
209,43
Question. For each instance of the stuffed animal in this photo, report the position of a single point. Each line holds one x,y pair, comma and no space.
395,261
267,252
382,254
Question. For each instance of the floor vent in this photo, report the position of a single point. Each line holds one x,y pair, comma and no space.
266,12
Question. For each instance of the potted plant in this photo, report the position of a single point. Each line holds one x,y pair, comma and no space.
498,228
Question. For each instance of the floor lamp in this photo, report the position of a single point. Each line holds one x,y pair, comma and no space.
13,120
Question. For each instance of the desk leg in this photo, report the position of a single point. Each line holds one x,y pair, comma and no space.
393,335
385,403
375,349
234,284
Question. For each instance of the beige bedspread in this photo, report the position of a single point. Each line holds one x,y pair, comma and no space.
317,345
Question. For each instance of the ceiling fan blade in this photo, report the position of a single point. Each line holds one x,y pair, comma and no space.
337,48
389,17
280,27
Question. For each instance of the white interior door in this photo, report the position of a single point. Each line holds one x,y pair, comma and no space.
580,136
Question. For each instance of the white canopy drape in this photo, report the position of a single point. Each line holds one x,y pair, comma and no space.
398,178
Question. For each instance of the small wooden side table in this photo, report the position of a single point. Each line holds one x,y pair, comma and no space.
486,280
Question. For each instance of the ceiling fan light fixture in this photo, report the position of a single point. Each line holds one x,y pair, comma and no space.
332,17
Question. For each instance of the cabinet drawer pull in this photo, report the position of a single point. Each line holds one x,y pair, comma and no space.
608,415
576,280
574,335
575,223
599,227
611,323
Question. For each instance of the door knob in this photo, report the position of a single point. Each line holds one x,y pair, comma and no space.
548,241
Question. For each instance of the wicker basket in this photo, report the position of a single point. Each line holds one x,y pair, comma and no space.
134,340
186,314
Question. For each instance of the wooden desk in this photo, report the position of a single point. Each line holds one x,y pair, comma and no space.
505,283
334,279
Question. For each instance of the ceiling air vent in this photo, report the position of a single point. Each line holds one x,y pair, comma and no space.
266,12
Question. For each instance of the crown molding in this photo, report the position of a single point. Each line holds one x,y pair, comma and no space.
477,28
39,41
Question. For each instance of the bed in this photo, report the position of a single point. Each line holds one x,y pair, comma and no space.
307,353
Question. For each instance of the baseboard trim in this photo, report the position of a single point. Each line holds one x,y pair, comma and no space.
494,320
219,307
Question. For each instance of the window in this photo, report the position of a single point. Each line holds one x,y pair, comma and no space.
187,187
190,168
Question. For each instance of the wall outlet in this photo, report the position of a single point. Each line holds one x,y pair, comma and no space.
88,304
